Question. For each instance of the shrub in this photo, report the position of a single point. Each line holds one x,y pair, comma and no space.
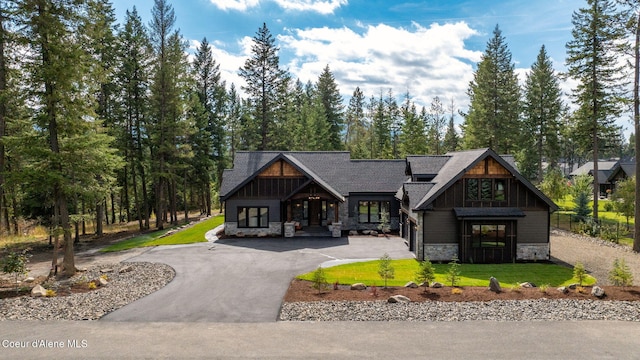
620,275
579,273
385,269
543,288
16,263
426,273
320,280
453,274
608,206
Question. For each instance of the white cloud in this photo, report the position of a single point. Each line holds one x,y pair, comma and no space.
426,61
319,6
240,5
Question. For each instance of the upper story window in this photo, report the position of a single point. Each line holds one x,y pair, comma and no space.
486,189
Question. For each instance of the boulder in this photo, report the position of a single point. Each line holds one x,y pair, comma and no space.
572,286
38,291
527,285
353,232
366,232
29,279
494,285
262,234
373,233
240,234
598,292
398,299
358,286
436,285
563,289
411,284
102,282
424,284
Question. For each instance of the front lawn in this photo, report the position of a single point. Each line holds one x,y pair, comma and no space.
471,274
190,235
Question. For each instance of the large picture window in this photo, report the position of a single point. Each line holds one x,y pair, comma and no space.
370,211
486,189
483,236
253,217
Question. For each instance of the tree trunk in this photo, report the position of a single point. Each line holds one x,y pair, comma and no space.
636,121
99,216
4,223
113,208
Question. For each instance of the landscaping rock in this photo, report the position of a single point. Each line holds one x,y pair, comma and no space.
29,279
373,233
353,232
527,285
125,269
494,285
38,291
436,285
573,286
358,286
240,234
424,284
262,234
102,282
366,232
411,284
563,289
108,270
598,292
399,299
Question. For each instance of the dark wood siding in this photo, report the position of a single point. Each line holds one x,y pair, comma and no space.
440,227
269,187
533,228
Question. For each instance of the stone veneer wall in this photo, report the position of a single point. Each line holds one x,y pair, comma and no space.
440,252
532,252
231,228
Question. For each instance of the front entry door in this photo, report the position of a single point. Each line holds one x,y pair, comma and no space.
315,212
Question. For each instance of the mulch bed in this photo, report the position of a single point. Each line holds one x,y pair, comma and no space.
301,290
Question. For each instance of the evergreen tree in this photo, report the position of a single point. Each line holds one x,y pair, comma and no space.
592,61
451,140
437,122
132,78
494,112
356,127
413,140
265,83
332,103
542,109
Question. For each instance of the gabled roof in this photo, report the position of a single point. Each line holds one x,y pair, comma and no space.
415,191
425,165
587,169
332,170
460,163
627,168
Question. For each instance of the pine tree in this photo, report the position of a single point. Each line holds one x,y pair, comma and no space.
265,82
413,140
592,61
132,76
356,129
494,112
451,140
437,122
332,102
542,109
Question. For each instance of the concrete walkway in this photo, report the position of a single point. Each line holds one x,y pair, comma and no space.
242,280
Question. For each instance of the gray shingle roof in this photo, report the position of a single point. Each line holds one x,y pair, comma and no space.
333,170
588,167
425,165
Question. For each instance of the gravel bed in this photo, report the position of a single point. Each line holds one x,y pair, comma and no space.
497,310
125,285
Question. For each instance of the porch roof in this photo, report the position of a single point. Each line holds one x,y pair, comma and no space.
489,212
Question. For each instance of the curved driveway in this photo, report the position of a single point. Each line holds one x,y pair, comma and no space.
242,280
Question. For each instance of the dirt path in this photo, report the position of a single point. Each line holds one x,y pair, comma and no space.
596,255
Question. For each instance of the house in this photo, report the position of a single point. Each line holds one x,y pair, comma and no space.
265,190
609,173
471,204
474,205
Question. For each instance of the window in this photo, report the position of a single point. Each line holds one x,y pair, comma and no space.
253,217
483,236
486,189
370,211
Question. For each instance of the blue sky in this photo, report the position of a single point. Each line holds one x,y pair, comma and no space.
428,48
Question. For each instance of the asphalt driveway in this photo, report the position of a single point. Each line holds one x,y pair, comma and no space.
242,280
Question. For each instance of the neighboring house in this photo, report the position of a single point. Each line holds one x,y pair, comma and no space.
471,204
609,172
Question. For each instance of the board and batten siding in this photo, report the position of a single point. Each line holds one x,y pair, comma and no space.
533,227
440,227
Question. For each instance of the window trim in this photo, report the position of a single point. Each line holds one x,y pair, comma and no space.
246,223
379,206
480,191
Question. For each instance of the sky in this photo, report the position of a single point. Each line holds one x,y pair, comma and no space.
424,48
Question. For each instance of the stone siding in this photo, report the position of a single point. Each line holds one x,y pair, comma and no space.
532,252
440,252
274,229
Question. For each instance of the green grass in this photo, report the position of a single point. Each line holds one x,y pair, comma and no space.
471,274
190,235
